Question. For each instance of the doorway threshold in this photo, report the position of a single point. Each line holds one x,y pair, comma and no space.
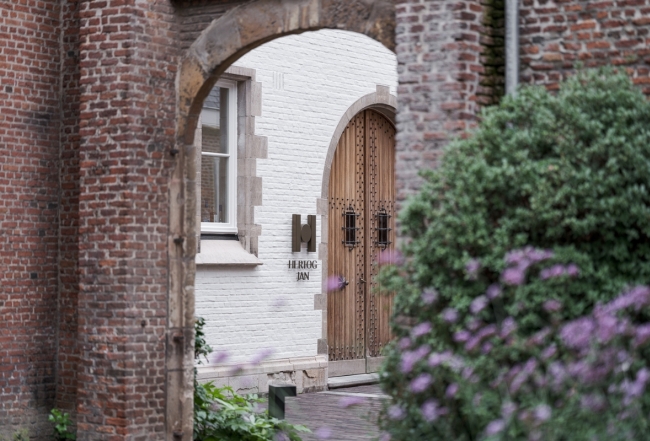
352,380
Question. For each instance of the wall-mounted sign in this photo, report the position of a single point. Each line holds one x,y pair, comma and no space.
303,265
303,233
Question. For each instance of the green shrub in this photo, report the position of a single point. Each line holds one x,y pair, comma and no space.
62,425
220,414
568,173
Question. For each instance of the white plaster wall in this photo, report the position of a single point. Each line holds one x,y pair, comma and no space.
308,82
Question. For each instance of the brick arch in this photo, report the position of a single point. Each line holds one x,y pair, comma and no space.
225,40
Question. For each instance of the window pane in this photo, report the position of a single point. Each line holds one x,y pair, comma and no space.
214,118
214,189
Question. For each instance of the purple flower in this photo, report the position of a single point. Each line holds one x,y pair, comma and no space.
508,327
641,335
513,276
486,332
607,327
429,296
639,296
420,383
493,292
542,413
461,336
508,409
516,257
540,336
572,270
577,334
467,372
333,283
218,357
404,343
409,358
478,304
323,432
495,427
452,390
535,255
552,306
346,402
549,352
593,402
438,358
450,315
472,267
430,410
486,348
396,413
552,272
261,356
421,329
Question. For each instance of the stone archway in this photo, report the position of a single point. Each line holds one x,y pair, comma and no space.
223,42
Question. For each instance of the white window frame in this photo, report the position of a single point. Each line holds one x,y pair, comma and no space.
229,227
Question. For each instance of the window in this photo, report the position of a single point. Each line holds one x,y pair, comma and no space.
218,210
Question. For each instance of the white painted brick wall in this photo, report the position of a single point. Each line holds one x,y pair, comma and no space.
309,81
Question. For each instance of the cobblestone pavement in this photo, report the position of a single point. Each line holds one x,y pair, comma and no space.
322,413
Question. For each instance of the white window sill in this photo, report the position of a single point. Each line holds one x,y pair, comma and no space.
225,252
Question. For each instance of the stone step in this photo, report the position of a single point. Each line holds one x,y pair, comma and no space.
352,380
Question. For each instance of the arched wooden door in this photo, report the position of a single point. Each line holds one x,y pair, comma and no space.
361,227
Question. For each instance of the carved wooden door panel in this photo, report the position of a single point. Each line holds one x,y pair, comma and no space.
361,226
380,227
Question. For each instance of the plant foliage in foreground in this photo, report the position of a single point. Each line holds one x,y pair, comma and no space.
220,414
62,425
563,179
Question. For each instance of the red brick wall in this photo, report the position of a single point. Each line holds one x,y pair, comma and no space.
127,127
557,35
439,51
68,360
29,198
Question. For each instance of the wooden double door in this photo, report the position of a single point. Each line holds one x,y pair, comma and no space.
361,232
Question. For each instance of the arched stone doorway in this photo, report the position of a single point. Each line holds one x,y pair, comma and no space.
223,42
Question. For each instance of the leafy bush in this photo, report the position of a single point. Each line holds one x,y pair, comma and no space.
568,173
62,425
220,414
582,380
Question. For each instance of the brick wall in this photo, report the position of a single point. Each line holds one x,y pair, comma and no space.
67,357
127,127
440,49
29,132
308,83
555,36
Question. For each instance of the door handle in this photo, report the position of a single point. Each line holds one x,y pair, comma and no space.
362,280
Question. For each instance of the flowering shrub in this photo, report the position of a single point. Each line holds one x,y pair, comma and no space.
484,342
488,379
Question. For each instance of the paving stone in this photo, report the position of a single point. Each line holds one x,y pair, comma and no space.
322,409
